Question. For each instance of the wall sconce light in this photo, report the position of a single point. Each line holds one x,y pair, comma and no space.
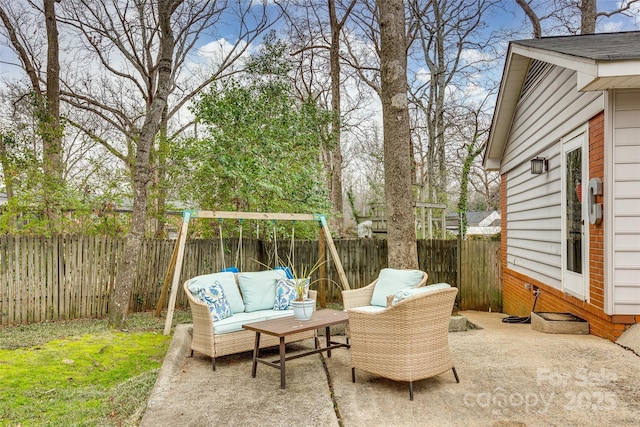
539,165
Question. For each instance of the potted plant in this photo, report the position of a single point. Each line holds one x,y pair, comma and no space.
298,280
302,305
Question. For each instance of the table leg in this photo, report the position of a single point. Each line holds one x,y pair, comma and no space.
327,334
256,350
282,359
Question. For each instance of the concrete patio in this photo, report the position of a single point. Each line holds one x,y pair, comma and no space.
510,375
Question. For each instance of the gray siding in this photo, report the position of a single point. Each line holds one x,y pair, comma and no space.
550,109
625,173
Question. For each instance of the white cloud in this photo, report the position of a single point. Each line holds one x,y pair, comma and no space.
423,75
474,56
612,27
218,49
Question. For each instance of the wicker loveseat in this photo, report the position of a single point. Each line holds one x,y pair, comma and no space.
226,336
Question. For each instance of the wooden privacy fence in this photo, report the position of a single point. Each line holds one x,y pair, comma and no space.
70,277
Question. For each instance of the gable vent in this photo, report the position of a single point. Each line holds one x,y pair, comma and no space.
537,70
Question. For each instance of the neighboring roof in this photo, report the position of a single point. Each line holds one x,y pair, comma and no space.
479,223
601,61
474,218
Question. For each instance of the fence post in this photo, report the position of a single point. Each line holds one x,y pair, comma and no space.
459,265
322,259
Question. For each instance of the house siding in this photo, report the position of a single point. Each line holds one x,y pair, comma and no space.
518,287
625,173
549,110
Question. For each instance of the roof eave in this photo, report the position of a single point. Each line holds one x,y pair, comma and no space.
513,75
592,75
610,75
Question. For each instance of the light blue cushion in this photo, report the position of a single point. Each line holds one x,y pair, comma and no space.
259,289
410,292
285,293
235,322
218,304
228,282
391,280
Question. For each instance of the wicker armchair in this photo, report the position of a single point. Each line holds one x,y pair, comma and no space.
407,341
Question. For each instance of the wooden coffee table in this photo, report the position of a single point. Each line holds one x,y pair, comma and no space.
287,326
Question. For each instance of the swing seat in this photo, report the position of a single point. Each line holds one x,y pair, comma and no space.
286,270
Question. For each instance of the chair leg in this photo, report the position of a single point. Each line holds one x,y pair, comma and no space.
191,353
213,362
410,390
353,375
455,374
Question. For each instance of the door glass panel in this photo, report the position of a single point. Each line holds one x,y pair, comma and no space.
574,210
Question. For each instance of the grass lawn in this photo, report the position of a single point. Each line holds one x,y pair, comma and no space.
80,373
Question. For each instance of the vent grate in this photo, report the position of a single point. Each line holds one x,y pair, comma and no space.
537,70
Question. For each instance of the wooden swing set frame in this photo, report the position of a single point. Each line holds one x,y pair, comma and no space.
177,258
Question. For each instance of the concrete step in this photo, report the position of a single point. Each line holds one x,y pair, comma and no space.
559,323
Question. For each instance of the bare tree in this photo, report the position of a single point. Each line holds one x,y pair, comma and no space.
119,299
335,154
570,16
444,31
135,73
401,236
472,127
449,47
317,48
45,91
116,71
363,45
532,16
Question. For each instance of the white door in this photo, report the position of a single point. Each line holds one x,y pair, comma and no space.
575,239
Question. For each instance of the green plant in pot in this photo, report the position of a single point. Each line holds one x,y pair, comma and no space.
299,279
303,306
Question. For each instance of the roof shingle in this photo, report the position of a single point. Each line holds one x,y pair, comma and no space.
599,47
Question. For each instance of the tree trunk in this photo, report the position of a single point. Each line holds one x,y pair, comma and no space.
533,18
50,128
8,170
160,180
335,182
47,104
440,84
588,15
401,237
335,165
119,300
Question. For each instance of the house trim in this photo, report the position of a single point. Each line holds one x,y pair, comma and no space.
609,101
583,131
